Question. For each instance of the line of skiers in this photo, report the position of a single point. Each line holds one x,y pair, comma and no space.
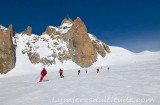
44,73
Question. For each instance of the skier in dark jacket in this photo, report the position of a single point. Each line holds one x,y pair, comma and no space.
43,74
97,70
86,70
79,72
61,73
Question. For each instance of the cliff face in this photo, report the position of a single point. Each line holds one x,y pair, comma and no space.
80,45
7,50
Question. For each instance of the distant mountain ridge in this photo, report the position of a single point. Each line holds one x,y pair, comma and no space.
68,42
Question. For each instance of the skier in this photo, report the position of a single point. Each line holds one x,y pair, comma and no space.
86,70
79,72
61,73
43,74
97,70
101,67
108,68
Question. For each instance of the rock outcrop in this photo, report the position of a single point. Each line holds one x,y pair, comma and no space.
61,30
34,57
80,45
7,50
27,31
67,20
106,47
11,30
63,56
99,48
50,31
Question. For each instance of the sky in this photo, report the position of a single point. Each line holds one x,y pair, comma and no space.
131,24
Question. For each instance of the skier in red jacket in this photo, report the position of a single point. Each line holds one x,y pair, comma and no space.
61,73
43,74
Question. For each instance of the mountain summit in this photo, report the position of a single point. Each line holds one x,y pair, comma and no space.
7,50
70,42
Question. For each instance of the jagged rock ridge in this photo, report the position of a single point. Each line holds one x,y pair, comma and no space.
69,41
7,50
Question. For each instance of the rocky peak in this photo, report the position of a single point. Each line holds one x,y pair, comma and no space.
80,45
80,26
99,48
65,25
67,20
106,47
7,51
50,31
27,31
10,27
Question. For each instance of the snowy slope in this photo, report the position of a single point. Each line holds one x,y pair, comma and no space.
119,56
130,84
